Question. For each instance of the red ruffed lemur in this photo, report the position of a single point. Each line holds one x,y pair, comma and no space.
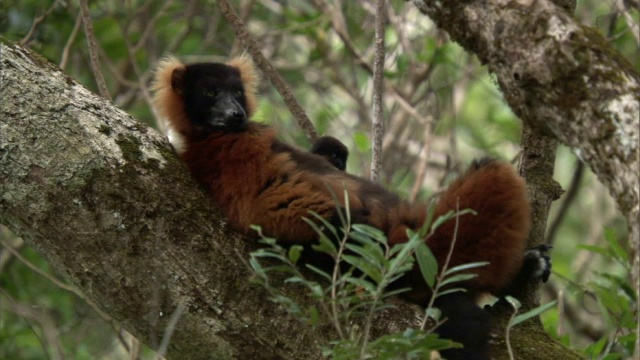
256,179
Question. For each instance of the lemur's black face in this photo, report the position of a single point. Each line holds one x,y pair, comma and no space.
213,96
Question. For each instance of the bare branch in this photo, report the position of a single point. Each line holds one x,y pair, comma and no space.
93,50
37,21
377,123
276,80
421,173
43,318
142,77
41,272
70,40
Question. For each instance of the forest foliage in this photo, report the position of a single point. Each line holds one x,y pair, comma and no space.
442,109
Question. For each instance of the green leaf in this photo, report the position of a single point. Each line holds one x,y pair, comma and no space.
316,291
318,271
363,239
532,313
450,291
595,249
618,252
371,254
361,140
269,254
370,231
294,253
295,280
513,301
366,285
268,241
451,215
280,268
433,313
325,246
457,278
395,292
611,301
613,356
466,267
428,264
324,223
442,219
621,283
431,210
314,316
257,268
364,266
596,349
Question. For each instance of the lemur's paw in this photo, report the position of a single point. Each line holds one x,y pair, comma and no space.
538,262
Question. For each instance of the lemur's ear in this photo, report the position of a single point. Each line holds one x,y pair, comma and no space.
167,86
250,80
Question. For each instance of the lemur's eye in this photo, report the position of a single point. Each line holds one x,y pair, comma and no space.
238,93
210,93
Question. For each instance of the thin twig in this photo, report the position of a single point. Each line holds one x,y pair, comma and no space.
46,322
338,24
276,80
508,332
142,77
70,40
188,19
6,257
171,327
377,124
149,26
133,346
37,21
33,267
93,50
422,168
54,280
445,266
334,280
631,23
245,10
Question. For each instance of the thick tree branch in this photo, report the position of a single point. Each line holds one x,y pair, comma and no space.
107,202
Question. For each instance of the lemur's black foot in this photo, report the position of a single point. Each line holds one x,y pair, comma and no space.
537,262
465,323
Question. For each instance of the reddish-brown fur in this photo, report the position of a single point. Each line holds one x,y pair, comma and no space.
257,180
